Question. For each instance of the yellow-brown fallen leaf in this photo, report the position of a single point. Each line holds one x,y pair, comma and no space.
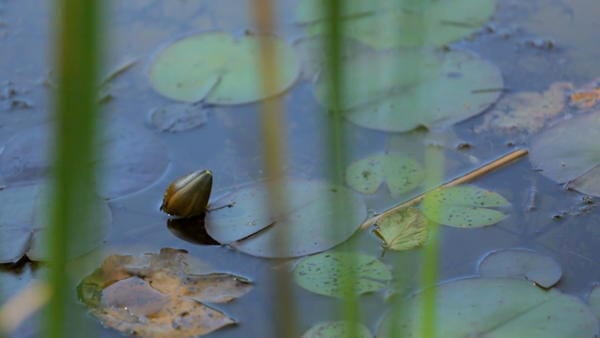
403,230
157,295
587,96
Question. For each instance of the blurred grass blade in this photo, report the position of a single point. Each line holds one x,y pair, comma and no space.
77,63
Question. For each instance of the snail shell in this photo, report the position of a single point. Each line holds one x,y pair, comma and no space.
188,196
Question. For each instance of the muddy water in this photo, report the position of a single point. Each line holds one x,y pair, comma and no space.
534,43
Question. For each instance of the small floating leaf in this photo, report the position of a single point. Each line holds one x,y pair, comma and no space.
157,295
521,263
498,308
403,230
178,117
337,329
219,69
330,273
400,173
569,153
248,225
465,206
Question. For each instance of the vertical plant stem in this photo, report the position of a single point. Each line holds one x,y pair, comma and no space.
272,120
77,61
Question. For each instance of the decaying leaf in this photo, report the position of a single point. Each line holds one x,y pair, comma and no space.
526,112
521,263
159,295
178,117
403,230
587,96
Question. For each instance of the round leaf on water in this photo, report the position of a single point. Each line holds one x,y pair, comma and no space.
401,174
495,308
464,206
391,23
569,153
249,226
521,263
330,273
337,329
178,117
402,90
219,69
594,301
403,230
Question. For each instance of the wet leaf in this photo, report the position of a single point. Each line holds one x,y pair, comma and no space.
330,273
403,230
337,329
219,69
401,90
158,295
401,174
24,220
594,301
178,117
248,225
465,206
133,159
569,153
498,308
392,23
521,263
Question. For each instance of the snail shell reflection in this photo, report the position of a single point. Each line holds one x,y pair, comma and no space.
188,196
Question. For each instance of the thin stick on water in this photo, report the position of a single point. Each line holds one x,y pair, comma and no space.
23,304
468,177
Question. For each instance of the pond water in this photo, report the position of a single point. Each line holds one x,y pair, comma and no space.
534,44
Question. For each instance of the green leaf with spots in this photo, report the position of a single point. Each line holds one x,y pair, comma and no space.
464,206
337,329
403,230
401,174
219,69
330,273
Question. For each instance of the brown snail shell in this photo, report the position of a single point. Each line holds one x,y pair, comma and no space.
188,196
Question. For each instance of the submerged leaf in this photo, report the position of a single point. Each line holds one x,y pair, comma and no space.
594,301
569,153
177,117
337,329
498,308
464,206
400,173
331,273
219,69
248,225
521,263
157,295
401,90
403,230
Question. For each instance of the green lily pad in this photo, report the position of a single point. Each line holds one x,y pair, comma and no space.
158,295
594,301
568,153
23,225
329,273
337,329
249,226
393,23
178,117
465,206
403,230
401,90
521,263
495,308
400,173
220,69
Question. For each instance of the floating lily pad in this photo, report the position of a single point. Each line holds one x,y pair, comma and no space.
158,295
393,23
401,174
330,273
403,230
24,224
498,308
465,206
568,153
178,117
402,90
219,69
594,301
337,329
249,226
133,159
521,263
